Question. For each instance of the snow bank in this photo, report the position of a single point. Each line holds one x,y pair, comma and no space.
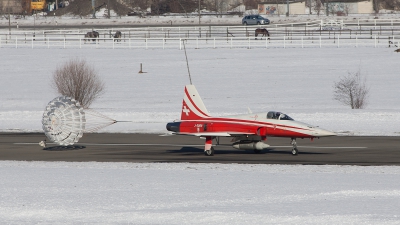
160,193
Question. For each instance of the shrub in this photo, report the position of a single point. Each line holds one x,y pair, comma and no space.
78,80
352,90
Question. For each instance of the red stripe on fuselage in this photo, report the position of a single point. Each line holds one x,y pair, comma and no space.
237,127
253,122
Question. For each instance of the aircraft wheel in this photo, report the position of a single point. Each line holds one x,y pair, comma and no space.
209,152
257,151
295,151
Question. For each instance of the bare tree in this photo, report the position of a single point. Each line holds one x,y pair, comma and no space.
376,6
78,80
352,90
389,4
347,8
318,6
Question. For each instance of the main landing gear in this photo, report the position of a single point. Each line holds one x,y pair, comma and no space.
209,152
295,151
208,148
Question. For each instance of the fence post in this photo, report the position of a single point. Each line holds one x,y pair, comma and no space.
113,43
64,42
214,42
180,43
32,42
320,42
249,41
356,41
375,41
231,42
284,41
16,42
129,42
393,39
163,43
197,43
146,42
302,42
338,45
266,42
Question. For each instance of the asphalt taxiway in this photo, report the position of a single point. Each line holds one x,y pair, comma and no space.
117,147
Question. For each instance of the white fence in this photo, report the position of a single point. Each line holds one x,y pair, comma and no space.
200,43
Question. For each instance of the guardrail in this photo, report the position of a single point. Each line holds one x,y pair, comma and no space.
201,43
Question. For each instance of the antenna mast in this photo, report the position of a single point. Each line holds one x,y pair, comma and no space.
187,63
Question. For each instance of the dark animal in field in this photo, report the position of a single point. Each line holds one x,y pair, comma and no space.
117,35
91,34
397,50
262,31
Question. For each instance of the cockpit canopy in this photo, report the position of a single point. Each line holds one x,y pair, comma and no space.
278,116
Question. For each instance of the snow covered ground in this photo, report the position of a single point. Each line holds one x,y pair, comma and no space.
129,193
296,81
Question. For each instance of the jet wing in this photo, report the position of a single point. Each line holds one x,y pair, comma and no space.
215,134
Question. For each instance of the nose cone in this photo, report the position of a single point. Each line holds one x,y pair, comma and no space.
318,132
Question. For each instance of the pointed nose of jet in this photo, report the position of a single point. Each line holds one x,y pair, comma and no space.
318,132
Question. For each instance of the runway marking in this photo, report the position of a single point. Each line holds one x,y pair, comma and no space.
289,146
174,145
94,144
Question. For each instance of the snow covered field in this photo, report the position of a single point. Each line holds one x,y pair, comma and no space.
128,193
298,82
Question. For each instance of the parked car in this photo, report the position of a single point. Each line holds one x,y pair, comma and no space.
254,20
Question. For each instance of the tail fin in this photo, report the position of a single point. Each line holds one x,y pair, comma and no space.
192,105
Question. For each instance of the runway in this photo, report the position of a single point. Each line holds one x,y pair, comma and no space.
114,147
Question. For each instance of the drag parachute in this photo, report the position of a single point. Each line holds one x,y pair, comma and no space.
65,120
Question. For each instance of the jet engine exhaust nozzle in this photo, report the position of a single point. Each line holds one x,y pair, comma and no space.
173,126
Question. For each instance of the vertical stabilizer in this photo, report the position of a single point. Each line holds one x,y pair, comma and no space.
192,105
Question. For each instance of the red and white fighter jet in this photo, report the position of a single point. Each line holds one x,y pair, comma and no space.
249,131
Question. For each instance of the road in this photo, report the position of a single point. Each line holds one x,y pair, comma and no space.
106,147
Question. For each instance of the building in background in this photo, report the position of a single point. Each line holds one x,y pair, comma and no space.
275,7
345,7
13,6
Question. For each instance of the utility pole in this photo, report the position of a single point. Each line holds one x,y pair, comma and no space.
108,9
9,24
287,7
327,8
93,8
199,11
34,25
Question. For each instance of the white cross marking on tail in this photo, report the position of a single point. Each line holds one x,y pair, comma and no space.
186,110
